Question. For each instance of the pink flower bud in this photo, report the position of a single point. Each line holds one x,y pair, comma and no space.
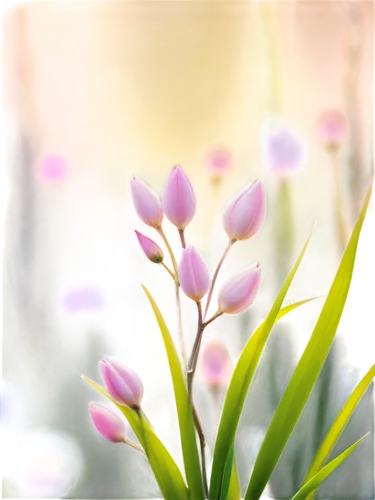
216,364
245,213
284,151
86,298
240,291
332,128
179,198
193,274
219,163
122,383
150,248
146,203
52,170
107,423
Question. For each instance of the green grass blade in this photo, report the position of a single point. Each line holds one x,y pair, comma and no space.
241,380
308,368
314,483
338,426
185,417
167,474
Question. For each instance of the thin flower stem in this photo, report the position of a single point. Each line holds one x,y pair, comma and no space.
342,229
182,237
169,271
227,248
195,352
178,300
202,441
135,446
216,315
170,251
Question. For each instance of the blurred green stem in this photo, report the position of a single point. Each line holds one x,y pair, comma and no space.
341,227
351,89
284,228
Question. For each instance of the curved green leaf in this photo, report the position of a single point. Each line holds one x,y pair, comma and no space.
167,474
241,380
185,417
230,488
308,368
338,426
314,483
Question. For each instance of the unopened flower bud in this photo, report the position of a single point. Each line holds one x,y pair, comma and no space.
122,383
107,423
245,213
150,248
216,364
240,291
284,151
193,274
178,198
146,203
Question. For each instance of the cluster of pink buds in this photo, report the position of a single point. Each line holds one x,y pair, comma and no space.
126,389
242,219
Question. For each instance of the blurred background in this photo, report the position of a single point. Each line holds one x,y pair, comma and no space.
96,92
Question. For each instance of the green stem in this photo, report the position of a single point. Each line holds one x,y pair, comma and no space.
226,251
284,232
342,229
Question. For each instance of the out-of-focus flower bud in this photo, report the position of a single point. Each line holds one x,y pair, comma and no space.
108,423
52,170
193,274
150,248
283,149
239,292
146,203
122,383
244,215
45,465
219,163
332,128
216,364
86,298
178,198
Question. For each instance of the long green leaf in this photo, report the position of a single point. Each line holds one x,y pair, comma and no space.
185,417
227,474
241,380
308,368
338,426
314,483
167,474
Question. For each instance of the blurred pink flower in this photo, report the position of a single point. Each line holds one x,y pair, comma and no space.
219,162
244,214
283,150
239,292
122,383
178,200
194,275
52,169
332,128
216,364
108,424
86,298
